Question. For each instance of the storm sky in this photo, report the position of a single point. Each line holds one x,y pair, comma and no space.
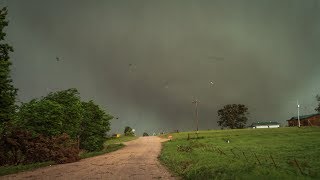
146,61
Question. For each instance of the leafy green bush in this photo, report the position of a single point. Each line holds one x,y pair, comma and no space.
128,131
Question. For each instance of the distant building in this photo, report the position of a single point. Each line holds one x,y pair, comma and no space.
269,124
306,120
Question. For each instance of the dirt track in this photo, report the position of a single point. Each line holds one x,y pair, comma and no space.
138,160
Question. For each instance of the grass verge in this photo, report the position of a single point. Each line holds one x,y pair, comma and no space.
119,140
4,170
282,153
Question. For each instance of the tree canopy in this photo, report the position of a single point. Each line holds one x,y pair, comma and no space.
7,91
72,110
64,112
318,108
233,116
94,126
41,117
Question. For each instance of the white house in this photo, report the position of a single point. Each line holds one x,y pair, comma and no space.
269,124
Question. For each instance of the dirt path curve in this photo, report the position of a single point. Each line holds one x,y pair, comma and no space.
137,160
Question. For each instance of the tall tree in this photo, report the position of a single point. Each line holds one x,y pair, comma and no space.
95,125
41,117
233,116
72,109
318,108
7,90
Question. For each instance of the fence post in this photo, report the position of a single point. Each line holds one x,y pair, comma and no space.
273,161
257,158
298,165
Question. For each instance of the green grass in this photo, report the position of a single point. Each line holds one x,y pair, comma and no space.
4,170
249,155
121,139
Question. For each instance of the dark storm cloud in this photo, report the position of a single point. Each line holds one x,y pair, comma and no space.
145,61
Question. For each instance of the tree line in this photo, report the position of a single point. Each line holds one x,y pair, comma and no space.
50,128
234,116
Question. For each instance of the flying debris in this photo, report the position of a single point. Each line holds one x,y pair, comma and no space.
132,67
57,58
216,58
166,84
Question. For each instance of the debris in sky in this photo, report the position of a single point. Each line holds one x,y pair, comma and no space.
132,67
57,58
166,84
216,58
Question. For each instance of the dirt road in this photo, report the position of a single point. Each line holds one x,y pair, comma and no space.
137,160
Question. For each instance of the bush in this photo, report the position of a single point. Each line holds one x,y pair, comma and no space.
20,146
128,131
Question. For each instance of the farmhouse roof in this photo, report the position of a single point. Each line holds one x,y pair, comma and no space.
265,123
303,117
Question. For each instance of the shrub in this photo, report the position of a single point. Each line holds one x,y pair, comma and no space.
128,131
20,146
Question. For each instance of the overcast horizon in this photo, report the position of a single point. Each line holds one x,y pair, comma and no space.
146,61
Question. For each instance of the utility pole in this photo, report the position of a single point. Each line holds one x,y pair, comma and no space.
298,106
196,112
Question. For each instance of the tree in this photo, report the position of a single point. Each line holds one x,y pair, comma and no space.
233,116
145,134
318,108
128,131
7,91
57,113
94,126
72,110
41,117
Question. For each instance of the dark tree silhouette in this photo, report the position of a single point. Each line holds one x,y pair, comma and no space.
233,116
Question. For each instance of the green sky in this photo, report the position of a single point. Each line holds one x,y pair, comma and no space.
145,61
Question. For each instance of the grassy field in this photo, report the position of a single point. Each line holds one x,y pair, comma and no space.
110,145
282,153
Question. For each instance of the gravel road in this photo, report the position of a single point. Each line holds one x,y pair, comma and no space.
137,160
